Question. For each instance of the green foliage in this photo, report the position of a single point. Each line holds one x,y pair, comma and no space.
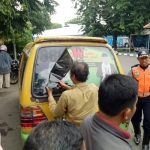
55,25
20,41
22,18
76,20
14,15
40,21
122,17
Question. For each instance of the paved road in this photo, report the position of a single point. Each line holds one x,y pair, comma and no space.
9,118
9,112
127,62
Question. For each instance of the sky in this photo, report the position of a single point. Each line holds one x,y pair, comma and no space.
64,12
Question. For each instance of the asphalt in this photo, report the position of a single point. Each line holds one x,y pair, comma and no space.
131,54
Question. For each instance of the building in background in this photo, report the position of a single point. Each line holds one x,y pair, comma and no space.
122,41
141,41
69,30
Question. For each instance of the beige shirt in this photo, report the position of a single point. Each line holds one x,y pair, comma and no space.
76,103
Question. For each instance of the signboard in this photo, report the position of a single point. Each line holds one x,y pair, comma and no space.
99,59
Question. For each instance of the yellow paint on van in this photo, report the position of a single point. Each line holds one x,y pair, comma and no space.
29,53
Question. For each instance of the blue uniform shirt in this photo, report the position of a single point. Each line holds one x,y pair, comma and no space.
5,62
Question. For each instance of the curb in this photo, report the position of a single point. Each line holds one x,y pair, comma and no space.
127,54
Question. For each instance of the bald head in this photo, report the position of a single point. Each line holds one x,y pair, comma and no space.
80,70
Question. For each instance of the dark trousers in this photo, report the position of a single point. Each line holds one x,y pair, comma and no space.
143,104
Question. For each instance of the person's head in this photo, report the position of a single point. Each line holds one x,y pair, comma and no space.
54,135
118,96
105,58
143,57
3,48
79,72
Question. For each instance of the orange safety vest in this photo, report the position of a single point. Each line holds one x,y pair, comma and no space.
143,77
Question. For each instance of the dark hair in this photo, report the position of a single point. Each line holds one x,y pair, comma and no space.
80,70
54,135
116,93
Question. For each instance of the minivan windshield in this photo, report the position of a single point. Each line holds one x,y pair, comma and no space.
101,62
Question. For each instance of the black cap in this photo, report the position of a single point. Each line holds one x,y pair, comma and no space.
143,53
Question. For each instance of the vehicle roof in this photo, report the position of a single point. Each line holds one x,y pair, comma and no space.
65,39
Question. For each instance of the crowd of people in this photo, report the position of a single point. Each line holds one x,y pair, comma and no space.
91,117
120,98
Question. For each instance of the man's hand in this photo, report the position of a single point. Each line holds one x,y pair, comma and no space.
63,85
49,91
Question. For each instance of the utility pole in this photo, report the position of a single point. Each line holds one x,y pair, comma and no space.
14,45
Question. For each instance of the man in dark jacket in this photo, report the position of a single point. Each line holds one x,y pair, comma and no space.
5,63
117,104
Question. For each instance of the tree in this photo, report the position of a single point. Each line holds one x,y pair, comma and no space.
14,15
76,20
121,17
90,15
55,25
20,40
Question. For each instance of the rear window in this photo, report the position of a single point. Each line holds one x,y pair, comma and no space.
100,60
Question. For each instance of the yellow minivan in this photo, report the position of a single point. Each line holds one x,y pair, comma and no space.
39,58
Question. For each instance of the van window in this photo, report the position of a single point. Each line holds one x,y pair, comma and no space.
100,60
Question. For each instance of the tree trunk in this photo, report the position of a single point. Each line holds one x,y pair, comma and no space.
14,45
115,40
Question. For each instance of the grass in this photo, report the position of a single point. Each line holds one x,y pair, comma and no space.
121,50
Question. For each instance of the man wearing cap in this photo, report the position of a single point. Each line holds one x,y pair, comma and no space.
5,63
141,72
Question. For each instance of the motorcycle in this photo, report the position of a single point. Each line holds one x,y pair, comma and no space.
14,72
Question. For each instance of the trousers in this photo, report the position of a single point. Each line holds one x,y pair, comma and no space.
7,80
143,105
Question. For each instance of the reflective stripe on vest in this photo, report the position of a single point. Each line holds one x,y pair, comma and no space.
143,77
